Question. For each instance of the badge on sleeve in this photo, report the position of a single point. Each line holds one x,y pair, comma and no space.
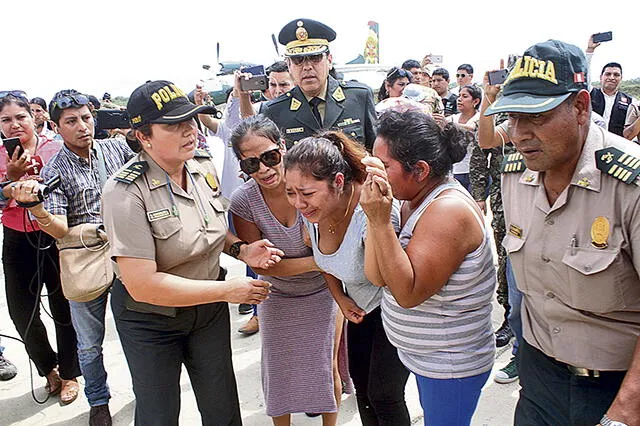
600,232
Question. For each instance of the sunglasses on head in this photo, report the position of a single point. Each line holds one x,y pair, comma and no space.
463,75
400,72
314,59
268,158
15,93
66,100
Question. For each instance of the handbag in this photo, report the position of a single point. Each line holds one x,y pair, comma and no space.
86,270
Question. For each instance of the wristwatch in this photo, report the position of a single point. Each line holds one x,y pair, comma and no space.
234,250
606,421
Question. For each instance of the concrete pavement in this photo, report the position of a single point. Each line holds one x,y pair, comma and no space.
17,406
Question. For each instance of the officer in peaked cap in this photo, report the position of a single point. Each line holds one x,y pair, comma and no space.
318,101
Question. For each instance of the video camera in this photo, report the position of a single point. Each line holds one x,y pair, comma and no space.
44,190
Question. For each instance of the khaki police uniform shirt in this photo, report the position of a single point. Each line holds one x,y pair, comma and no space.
141,221
581,303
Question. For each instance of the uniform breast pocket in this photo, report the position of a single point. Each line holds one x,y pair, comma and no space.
163,229
595,279
219,207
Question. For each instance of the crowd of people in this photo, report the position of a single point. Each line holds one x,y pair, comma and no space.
362,226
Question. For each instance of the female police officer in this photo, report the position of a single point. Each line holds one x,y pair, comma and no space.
165,219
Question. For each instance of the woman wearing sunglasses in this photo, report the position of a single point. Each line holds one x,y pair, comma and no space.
29,254
324,178
166,221
395,82
297,323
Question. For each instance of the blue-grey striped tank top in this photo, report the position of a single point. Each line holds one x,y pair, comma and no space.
449,335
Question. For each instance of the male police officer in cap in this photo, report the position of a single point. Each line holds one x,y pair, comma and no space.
319,101
572,215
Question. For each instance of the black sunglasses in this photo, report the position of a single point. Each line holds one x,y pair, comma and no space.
400,72
15,93
66,100
268,158
314,59
461,75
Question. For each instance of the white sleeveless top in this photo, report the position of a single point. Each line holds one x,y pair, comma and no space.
448,335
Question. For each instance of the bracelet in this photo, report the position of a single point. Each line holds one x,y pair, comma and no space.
52,218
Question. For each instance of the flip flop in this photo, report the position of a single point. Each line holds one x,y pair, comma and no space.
69,391
54,383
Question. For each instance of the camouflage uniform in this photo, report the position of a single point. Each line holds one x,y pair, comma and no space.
485,165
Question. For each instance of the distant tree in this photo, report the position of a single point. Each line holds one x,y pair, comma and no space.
630,87
120,100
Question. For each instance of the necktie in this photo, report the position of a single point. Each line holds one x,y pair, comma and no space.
314,102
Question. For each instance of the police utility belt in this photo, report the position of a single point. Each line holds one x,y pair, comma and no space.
86,270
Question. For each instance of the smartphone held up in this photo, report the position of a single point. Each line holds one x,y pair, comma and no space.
11,145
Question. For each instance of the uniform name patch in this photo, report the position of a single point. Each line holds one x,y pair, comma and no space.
348,121
158,214
295,130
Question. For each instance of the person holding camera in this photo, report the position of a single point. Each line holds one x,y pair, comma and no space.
28,253
166,220
71,214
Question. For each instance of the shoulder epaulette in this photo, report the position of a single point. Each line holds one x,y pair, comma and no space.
133,172
512,163
202,153
618,164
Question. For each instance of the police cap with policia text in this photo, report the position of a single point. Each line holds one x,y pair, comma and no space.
162,102
546,75
302,37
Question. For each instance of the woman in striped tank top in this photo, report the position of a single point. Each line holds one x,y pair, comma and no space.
438,274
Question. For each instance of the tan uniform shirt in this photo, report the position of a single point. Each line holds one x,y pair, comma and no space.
581,303
633,114
153,218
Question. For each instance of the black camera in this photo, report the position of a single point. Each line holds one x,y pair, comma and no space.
44,190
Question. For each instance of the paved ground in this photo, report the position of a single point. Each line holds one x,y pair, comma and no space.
18,408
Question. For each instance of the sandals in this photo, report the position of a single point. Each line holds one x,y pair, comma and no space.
69,391
54,382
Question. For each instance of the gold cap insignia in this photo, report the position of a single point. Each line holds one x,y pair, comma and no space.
600,232
211,181
338,94
301,32
295,104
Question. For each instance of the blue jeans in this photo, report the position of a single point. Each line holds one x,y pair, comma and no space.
515,300
88,321
450,401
